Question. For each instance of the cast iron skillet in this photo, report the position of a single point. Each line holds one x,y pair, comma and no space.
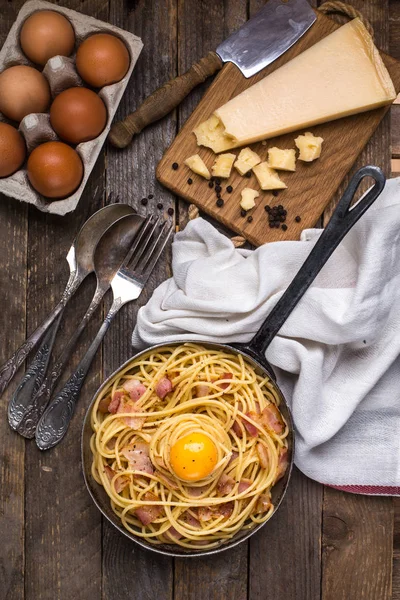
339,225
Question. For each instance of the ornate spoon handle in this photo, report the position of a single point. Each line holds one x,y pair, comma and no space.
56,419
8,370
21,400
40,399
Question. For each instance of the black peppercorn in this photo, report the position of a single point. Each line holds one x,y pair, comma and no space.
210,184
144,201
284,227
220,202
151,196
171,211
160,206
248,174
218,188
243,213
175,166
249,219
297,219
190,181
229,189
275,192
217,181
267,208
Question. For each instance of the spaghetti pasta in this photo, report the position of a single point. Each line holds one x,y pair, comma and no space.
195,408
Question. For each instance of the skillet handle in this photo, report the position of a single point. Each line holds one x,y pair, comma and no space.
339,225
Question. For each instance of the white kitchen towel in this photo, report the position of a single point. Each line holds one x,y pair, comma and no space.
336,357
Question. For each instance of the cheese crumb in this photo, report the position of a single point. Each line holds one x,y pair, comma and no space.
246,160
197,165
223,165
268,178
283,160
248,196
309,145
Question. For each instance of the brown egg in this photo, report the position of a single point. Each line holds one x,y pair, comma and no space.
12,150
78,115
23,90
102,59
55,170
46,33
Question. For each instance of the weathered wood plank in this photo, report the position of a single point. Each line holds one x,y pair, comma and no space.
357,530
396,550
395,130
13,244
63,527
202,26
128,571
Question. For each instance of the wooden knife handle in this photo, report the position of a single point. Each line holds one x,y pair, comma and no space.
163,100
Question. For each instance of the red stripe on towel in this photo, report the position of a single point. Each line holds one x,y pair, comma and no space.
373,490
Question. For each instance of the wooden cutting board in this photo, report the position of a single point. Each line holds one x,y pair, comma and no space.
309,189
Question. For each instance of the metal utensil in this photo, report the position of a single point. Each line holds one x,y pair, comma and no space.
260,41
253,352
127,285
80,261
108,257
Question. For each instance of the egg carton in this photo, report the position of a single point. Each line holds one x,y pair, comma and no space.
61,74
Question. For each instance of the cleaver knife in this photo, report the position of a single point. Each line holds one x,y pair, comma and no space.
260,41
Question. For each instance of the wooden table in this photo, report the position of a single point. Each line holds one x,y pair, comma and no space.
53,543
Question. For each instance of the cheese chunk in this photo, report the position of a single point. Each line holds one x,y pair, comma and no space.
268,178
248,196
343,74
211,134
282,160
309,146
223,165
197,165
246,160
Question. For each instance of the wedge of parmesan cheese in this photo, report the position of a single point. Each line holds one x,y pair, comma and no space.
197,165
223,165
282,160
309,146
342,74
268,178
248,196
246,160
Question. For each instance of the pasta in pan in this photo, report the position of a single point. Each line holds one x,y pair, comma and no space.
188,442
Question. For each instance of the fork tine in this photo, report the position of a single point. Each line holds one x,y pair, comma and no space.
137,240
152,260
151,248
138,255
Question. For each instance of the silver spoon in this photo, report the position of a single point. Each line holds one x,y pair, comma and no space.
80,260
108,257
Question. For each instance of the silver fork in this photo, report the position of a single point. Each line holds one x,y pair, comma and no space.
127,286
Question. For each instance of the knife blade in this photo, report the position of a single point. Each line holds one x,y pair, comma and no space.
260,41
267,35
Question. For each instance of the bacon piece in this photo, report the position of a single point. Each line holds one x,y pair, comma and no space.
263,455
148,514
120,483
237,429
244,484
115,402
205,513
251,429
263,504
104,404
202,389
195,492
271,418
135,389
225,384
127,406
166,480
233,457
138,457
163,387
111,443
190,519
226,509
283,462
225,484
173,533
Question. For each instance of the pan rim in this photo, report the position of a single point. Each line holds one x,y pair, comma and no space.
163,549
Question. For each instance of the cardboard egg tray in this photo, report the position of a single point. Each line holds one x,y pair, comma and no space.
61,74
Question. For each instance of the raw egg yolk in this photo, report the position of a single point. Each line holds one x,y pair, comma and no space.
193,457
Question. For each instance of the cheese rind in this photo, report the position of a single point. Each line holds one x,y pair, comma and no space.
268,178
246,160
309,145
248,196
282,160
222,166
342,74
197,165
